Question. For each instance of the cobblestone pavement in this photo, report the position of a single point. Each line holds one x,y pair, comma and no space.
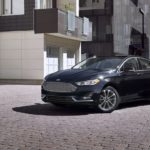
26,123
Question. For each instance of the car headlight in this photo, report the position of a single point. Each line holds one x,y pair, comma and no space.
88,82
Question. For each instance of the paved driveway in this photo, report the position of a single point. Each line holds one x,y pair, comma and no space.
28,124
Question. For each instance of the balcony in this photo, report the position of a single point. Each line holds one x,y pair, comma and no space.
63,24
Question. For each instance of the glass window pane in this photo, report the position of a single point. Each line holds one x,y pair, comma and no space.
71,21
1,7
94,27
135,2
49,3
132,63
43,4
92,4
145,64
7,7
86,26
18,7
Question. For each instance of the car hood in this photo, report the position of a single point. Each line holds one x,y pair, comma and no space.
74,75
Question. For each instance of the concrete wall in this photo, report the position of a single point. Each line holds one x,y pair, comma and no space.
19,22
21,55
57,41
127,16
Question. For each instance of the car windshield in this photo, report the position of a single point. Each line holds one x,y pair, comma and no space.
99,63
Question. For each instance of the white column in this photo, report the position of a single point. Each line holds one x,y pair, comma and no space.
7,7
1,8
64,60
77,7
38,4
78,54
61,59
45,64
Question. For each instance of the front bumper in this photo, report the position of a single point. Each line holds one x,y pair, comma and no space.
82,95
66,99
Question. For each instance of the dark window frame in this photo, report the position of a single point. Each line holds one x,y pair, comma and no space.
135,2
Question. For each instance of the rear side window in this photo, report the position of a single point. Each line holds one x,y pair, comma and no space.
145,64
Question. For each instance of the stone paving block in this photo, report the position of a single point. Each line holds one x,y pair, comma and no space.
26,123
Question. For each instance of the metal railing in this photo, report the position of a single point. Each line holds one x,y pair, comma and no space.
73,25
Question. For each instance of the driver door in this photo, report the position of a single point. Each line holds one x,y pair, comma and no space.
130,79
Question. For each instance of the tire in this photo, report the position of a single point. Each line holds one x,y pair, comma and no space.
108,100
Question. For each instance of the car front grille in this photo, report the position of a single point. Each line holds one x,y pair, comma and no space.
60,87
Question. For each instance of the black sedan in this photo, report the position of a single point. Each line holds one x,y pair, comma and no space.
101,82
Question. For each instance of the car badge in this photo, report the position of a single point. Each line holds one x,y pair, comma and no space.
58,80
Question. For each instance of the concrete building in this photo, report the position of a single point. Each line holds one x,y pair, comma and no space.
38,37
120,27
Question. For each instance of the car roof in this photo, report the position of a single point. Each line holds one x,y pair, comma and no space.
134,56
121,56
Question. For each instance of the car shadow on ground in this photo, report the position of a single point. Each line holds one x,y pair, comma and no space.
50,110
134,104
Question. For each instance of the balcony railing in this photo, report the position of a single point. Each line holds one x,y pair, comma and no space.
61,23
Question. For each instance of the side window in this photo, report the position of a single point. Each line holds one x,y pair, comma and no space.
145,64
135,2
17,7
42,4
11,7
130,65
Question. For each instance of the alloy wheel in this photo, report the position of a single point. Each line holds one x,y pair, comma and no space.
107,100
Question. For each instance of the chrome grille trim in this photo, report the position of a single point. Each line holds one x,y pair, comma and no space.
59,87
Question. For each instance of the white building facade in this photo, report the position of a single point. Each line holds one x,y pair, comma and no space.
31,46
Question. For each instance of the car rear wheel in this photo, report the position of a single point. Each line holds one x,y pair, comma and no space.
108,100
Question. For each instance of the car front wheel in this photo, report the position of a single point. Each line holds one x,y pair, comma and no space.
108,100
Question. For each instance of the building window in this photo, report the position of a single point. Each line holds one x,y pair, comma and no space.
135,2
92,4
43,4
108,29
12,7
95,1
94,27
102,28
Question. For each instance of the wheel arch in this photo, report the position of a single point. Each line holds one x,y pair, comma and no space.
112,85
